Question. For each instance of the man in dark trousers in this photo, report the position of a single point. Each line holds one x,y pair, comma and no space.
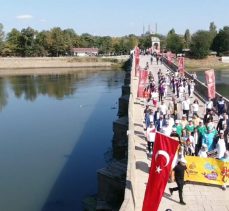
178,171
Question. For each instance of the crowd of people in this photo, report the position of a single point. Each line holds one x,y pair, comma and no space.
172,109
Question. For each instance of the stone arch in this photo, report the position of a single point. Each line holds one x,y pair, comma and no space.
155,45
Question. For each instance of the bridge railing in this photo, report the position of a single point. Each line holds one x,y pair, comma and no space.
201,90
129,200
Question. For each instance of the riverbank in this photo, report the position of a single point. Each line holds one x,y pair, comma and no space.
55,65
203,64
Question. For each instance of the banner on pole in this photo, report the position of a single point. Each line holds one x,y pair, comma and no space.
180,61
210,79
143,77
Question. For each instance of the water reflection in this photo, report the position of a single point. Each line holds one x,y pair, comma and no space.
54,133
3,94
57,86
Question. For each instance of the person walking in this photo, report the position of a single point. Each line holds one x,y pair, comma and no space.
178,172
150,137
220,106
186,106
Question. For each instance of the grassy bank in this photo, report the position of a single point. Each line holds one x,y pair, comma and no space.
56,65
203,64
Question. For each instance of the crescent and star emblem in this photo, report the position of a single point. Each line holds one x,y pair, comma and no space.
166,155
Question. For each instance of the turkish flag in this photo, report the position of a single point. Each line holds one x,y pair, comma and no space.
163,153
210,79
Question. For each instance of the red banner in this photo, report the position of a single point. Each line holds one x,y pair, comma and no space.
163,153
143,76
210,79
137,59
181,64
169,56
137,51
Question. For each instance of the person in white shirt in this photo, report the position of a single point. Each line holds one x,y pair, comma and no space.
163,107
196,141
166,129
150,137
186,106
203,151
192,87
209,105
195,107
181,91
221,145
171,121
154,97
190,144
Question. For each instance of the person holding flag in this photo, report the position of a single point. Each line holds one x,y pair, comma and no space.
163,154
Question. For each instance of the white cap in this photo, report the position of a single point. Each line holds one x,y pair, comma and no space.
177,121
204,145
221,131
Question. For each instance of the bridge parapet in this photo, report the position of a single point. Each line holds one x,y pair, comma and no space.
129,201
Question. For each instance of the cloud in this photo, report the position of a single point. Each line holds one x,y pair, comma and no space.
24,17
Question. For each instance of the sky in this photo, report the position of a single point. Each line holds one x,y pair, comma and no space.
114,17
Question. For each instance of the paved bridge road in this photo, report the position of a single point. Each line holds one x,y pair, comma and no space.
197,197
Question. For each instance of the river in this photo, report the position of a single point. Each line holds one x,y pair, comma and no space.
56,131
222,81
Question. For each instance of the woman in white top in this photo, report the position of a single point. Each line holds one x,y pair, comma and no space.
221,145
195,107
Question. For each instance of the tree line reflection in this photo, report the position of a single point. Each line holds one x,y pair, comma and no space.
56,86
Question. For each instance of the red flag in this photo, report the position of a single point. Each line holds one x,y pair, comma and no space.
210,79
163,153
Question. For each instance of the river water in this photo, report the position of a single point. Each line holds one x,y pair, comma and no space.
222,81
56,132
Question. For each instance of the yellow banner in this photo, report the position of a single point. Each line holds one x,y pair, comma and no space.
207,170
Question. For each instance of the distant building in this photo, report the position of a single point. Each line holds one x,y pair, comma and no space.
85,51
156,48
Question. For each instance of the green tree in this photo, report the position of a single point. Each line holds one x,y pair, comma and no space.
174,43
212,32
27,42
87,41
12,43
145,42
187,38
56,42
221,41
200,44
1,38
172,31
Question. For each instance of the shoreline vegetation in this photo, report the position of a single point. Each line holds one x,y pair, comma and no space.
211,62
56,65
